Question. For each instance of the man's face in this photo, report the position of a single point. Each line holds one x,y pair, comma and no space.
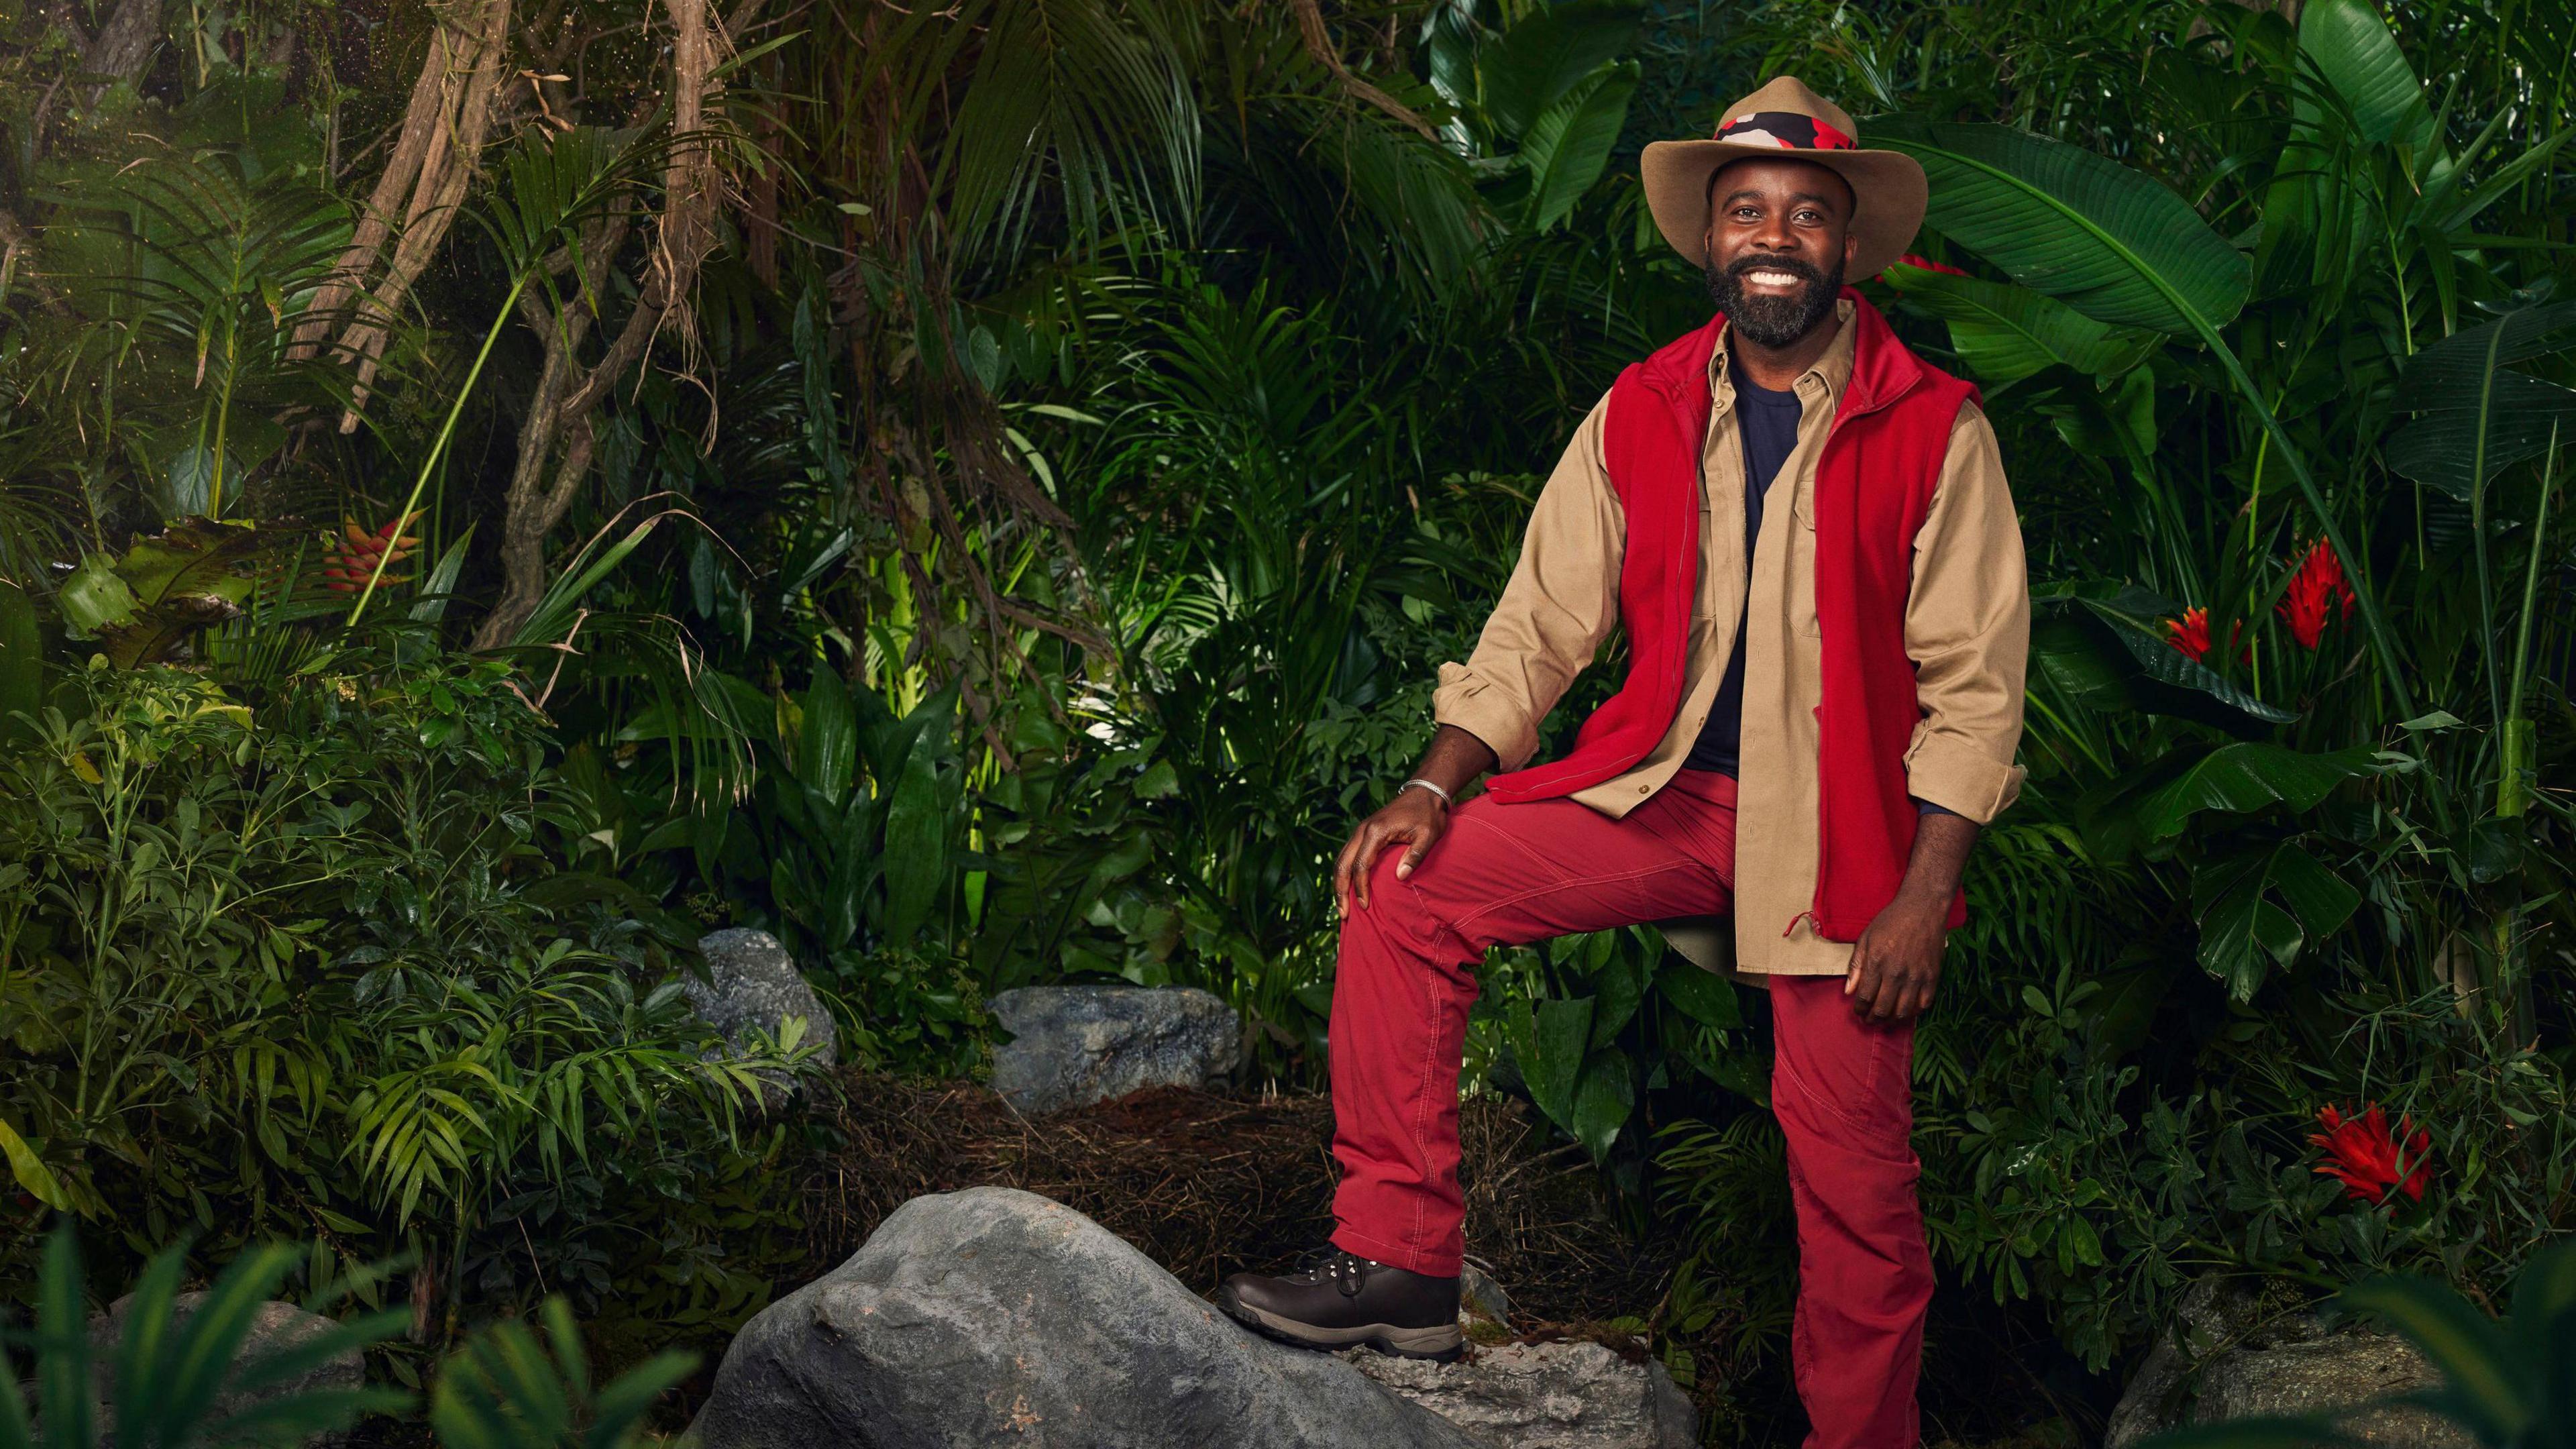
1779,233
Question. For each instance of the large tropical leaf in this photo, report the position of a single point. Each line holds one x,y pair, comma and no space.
1603,1101
1569,143
2262,908
918,808
2006,333
1549,1040
1540,61
2248,776
2115,244
1699,993
146,603
2102,651
827,751
2351,47
2475,415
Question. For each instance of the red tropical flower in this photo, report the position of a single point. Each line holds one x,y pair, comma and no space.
352,559
2314,592
2190,633
2368,1159
1927,264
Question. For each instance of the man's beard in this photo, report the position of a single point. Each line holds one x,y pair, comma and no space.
1774,321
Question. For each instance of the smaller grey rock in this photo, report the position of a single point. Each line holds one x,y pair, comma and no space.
2344,1368
2226,1360
1481,1297
2213,1315
275,1328
1072,1045
753,986
1568,1395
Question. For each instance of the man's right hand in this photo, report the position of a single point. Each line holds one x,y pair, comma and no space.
1413,822
1415,819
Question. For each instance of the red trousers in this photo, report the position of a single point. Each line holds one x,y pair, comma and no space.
1842,1087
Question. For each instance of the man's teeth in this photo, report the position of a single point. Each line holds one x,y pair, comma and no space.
1776,279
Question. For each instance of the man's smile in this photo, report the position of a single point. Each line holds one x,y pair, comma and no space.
1771,278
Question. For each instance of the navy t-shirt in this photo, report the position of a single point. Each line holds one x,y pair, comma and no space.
1768,420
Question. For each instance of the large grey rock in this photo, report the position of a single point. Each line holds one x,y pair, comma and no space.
2227,1360
994,1316
275,1328
1570,1395
1076,1044
753,986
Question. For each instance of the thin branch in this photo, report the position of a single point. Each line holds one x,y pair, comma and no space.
1319,44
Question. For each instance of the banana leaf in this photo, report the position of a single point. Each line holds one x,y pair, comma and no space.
2476,416
2351,47
1568,146
2115,244
2006,333
1541,60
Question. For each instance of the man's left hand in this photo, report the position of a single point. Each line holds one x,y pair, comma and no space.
1898,961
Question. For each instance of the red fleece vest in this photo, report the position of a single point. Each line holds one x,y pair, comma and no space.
1874,484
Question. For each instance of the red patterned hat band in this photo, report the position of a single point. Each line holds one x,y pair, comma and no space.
1788,130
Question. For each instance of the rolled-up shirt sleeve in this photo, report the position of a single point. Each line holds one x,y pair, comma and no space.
1561,602
1967,628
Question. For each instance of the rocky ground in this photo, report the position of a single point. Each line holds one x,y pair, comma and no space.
1035,1268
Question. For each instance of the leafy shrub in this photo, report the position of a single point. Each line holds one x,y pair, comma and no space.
502,1389
307,958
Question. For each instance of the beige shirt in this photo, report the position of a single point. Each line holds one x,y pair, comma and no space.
1967,627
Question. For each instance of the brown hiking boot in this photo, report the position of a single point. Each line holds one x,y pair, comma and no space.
1339,1299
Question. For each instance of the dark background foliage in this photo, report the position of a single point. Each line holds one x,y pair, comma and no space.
980,493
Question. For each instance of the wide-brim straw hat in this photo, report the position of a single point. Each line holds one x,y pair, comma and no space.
1785,119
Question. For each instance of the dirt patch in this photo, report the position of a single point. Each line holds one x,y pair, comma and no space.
1209,1184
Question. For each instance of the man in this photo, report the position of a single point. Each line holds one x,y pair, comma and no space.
1806,532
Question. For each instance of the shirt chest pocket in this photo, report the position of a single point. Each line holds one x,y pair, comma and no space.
1800,583
1708,595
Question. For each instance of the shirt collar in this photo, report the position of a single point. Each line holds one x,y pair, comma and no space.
1830,375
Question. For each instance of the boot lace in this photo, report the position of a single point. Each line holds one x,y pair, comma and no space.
1345,1270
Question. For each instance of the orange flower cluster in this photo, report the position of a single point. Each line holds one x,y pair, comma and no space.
2368,1159
353,556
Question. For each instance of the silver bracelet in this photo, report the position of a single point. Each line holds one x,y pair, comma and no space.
1427,785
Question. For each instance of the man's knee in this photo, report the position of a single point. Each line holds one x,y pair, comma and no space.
1393,909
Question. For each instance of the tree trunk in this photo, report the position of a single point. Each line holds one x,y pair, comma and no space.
416,200
567,395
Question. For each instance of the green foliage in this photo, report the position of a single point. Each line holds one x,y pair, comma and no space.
321,959
850,846
172,1381
146,604
1109,415
165,1373
506,1389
